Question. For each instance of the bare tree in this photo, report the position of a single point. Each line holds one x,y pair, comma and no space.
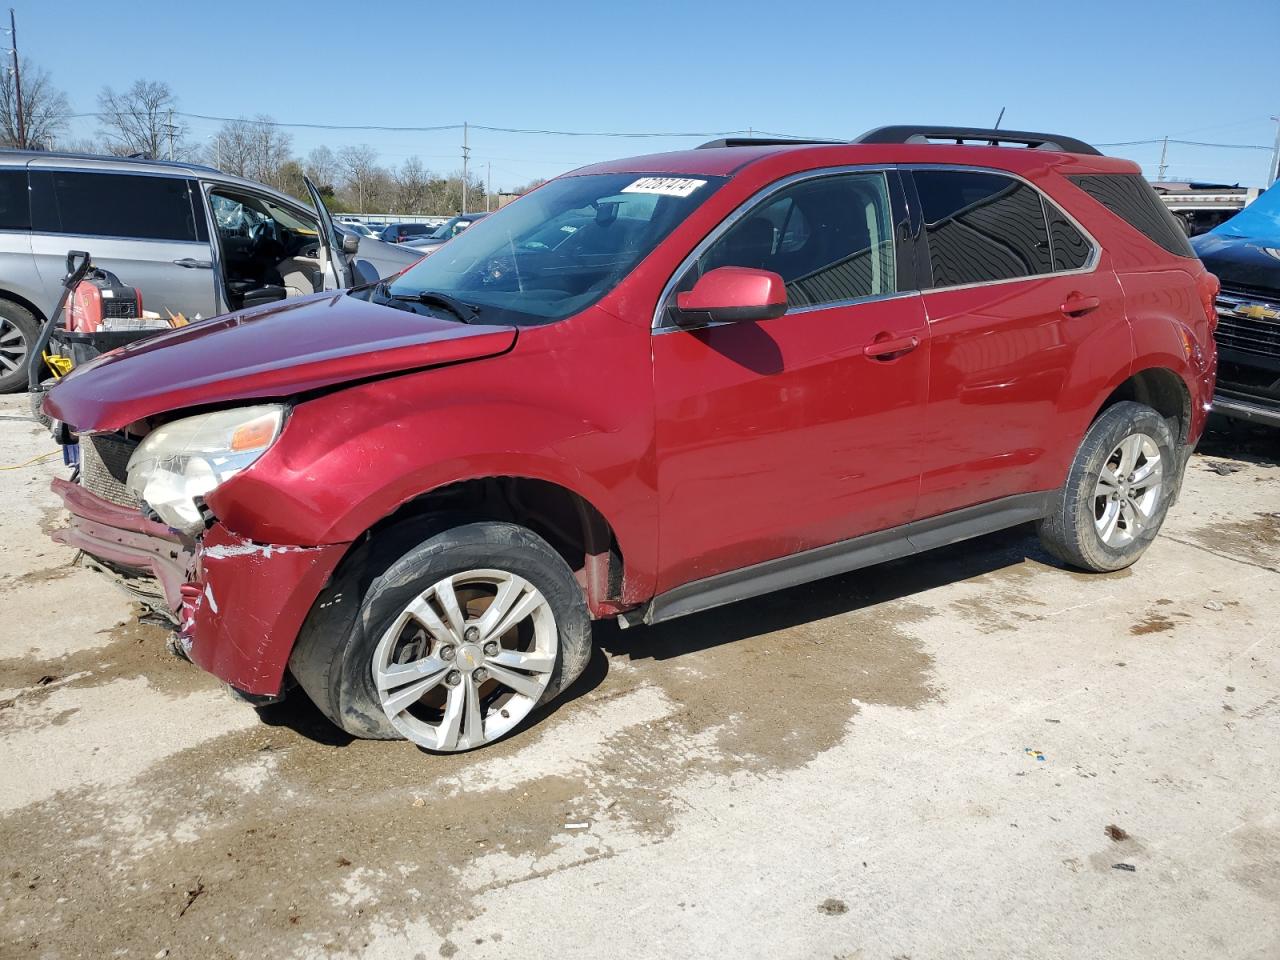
323,169
360,170
256,149
44,107
411,184
142,120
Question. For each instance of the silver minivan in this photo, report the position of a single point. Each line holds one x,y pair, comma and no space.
190,238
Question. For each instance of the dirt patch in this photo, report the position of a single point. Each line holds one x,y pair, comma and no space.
290,832
1256,539
1261,874
1153,623
44,575
134,649
52,518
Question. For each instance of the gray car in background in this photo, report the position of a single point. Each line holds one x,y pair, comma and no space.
192,239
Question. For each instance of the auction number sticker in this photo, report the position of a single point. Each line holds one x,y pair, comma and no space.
665,186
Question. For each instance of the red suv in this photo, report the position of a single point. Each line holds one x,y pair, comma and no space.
648,388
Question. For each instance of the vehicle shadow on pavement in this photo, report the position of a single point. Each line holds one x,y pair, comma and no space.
824,598
1229,439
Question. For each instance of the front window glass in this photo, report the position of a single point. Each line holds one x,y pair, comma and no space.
520,265
830,239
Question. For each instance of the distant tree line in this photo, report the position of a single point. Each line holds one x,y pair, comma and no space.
143,120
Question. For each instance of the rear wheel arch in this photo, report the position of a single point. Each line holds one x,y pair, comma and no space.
1160,388
23,302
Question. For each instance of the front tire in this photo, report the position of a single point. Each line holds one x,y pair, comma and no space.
1118,491
452,645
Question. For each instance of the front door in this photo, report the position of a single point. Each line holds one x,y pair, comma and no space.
778,436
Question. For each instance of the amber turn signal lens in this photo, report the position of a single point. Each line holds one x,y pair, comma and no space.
254,435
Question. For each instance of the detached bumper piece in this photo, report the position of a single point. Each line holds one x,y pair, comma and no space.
238,604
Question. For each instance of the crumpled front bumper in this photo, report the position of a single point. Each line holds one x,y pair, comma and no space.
124,538
239,603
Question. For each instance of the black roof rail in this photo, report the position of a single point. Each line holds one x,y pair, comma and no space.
913,133
758,142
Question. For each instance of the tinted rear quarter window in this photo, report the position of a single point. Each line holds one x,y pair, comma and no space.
112,205
1071,249
1130,197
982,227
15,210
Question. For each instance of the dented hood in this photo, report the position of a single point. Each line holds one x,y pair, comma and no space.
277,351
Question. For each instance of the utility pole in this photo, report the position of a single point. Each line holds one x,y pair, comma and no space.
170,128
1164,153
466,155
1275,157
488,186
17,81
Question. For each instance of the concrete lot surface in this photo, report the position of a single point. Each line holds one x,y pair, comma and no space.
971,754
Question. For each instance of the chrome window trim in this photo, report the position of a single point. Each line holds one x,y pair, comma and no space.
1095,255
657,326
750,203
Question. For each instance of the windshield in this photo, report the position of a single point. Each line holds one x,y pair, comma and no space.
557,251
444,230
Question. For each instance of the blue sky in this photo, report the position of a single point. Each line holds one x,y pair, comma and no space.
1104,72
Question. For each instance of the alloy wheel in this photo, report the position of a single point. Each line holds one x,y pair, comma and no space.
1127,493
466,660
13,346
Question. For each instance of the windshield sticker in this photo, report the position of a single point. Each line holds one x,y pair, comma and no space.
665,186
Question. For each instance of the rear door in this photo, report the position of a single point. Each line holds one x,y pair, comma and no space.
1016,289
147,229
778,436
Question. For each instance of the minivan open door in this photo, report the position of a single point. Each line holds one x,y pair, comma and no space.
338,274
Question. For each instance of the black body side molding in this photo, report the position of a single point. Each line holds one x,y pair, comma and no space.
836,558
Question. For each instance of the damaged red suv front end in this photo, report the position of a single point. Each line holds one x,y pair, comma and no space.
236,597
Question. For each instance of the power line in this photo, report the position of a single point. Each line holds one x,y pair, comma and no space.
631,134
1185,143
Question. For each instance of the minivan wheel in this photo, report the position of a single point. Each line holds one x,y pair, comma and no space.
1117,493
453,646
18,334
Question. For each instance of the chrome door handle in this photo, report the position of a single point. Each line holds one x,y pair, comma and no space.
191,264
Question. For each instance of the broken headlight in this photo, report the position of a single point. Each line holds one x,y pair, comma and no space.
179,463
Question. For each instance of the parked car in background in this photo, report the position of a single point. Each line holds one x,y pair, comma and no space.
746,367
444,232
1244,254
193,240
401,232
362,229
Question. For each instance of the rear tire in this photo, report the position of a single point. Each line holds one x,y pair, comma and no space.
398,645
1118,490
19,331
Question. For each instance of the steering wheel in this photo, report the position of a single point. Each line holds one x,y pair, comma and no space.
264,239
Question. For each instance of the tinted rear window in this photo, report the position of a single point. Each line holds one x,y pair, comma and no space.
981,227
15,212
1130,197
112,205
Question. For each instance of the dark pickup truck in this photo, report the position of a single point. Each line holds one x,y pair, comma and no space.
1244,253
